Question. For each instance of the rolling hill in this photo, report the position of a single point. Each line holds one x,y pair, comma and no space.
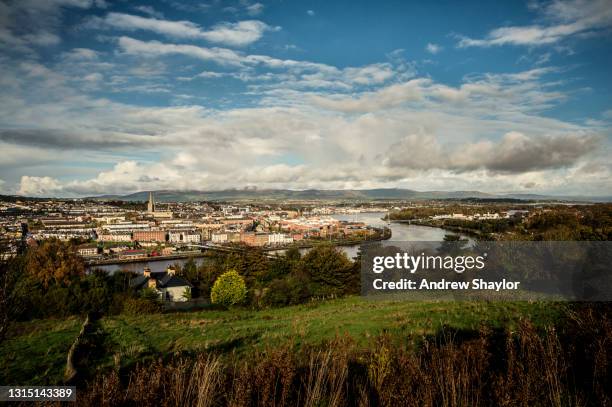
331,195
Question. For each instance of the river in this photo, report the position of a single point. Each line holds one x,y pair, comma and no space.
399,232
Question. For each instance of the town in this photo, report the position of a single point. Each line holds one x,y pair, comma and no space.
107,232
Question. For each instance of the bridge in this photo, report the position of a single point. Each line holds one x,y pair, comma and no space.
225,249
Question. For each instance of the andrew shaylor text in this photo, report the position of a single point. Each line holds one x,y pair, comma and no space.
458,264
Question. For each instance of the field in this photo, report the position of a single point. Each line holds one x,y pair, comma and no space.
35,352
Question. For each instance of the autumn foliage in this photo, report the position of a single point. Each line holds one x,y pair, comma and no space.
55,262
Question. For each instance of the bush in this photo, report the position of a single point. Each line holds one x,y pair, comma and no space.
139,306
277,294
291,290
229,289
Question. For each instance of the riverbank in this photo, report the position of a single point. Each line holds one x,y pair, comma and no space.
453,229
343,242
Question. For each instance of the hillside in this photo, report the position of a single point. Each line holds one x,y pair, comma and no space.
36,351
331,195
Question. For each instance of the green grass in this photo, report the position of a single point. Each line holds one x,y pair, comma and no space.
129,339
36,351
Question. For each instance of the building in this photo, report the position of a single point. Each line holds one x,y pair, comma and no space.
87,250
115,237
132,254
155,213
151,205
184,237
219,238
318,226
279,239
254,238
487,216
149,236
126,227
166,284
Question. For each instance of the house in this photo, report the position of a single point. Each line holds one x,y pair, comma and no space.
167,284
132,254
88,250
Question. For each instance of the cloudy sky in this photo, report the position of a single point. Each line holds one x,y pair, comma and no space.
102,96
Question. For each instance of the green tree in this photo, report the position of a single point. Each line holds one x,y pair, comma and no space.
189,270
293,254
187,293
330,271
149,294
229,289
13,292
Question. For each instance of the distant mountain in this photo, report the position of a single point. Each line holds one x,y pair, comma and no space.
332,195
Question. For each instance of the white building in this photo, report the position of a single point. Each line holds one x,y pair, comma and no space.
279,239
219,238
487,215
184,237
127,226
167,284
87,250
115,237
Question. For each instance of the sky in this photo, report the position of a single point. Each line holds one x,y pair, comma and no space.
114,97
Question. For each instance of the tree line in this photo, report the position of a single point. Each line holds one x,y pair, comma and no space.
51,281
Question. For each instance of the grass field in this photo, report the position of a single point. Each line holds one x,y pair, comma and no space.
35,352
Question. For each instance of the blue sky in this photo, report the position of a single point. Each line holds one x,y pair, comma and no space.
105,96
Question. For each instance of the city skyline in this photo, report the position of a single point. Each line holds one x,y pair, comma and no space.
103,97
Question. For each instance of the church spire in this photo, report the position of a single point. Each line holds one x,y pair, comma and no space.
151,206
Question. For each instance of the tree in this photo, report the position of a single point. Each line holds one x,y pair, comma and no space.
453,245
252,264
54,262
189,270
229,289
330,270
293,254
149,294
13,292
187,293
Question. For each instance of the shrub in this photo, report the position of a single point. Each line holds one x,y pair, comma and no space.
277,294
139,306
229,289
291,290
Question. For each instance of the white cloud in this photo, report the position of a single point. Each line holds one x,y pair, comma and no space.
433,48
150,11
179,29
155,48
311,13
564,18
302,74
391,96
80,54
39,186
254,9
240,33
385,126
